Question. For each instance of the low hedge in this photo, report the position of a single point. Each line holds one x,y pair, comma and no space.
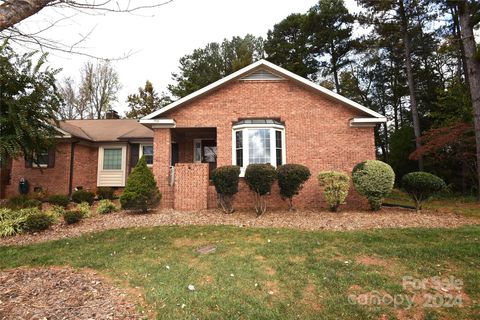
73,216
38,221
59,200
105,193
80,196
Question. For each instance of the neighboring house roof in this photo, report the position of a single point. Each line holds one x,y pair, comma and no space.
280,72
106,129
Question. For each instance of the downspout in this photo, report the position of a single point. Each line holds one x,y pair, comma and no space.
72,161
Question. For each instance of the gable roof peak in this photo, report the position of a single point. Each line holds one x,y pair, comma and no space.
276,70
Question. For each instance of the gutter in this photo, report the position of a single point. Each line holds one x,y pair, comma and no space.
72,162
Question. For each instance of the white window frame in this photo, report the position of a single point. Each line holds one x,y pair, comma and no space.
41,165
122,170
244,128
140,152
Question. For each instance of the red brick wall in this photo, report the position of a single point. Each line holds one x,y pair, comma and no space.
85,167
317,129
191,186
161,165
56,180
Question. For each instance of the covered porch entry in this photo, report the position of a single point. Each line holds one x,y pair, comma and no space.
184,159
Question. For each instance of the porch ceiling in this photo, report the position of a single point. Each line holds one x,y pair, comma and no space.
195,133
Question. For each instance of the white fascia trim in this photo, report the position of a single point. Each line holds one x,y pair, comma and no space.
273,67
366,122
258,125
158,123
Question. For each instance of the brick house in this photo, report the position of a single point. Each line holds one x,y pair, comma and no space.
259,114
88,154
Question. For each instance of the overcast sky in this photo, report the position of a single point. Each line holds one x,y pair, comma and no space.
160,36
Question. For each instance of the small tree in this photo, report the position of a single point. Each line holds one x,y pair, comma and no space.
141,192
373,179
226,180
421,186
291,178
335,188
260,178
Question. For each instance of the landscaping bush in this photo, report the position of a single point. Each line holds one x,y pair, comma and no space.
106,206
373,179
105,193
56,211
38,221
226,179
141,192
12,221
421,186
73,216
260,177
84,208
59,200
22,202
335,188
80,196
291,178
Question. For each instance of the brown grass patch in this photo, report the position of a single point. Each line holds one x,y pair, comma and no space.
270,271
310,297
372,261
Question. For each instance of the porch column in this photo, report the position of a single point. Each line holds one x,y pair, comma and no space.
162,149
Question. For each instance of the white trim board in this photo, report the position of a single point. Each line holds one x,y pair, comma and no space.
248,69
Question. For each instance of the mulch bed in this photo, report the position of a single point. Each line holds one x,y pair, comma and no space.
62,293
304,220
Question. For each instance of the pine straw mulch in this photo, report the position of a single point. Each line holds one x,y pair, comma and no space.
63,293
304,220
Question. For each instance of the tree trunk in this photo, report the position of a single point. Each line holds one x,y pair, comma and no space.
411,81
473,68
12,12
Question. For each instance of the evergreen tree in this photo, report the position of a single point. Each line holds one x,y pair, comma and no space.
145,102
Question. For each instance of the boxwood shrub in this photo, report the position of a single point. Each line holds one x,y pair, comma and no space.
105,193
38,221
421,186
335,188
59,200
226,179
80,196
291,178
373,179
73,216
260,177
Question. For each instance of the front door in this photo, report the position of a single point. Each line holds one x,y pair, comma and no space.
209,154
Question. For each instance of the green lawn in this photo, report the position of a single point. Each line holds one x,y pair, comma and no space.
299,275
465,206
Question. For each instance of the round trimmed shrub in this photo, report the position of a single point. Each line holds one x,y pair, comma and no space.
105,193
373,179
226,179
73,216
80,196
291,178
260,177
421,186
141,192
335,188
38,221
59,200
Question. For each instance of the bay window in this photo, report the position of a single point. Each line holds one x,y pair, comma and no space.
258,141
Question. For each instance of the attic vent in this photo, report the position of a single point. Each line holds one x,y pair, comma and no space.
262,74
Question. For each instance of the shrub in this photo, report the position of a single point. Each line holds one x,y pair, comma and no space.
421,186
373,179
335,188
105,193
260,178
12,222
56,211
80,196
84,208
141,192
106,206
22,202
38,221
59,200
291,178
73,216
226,180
